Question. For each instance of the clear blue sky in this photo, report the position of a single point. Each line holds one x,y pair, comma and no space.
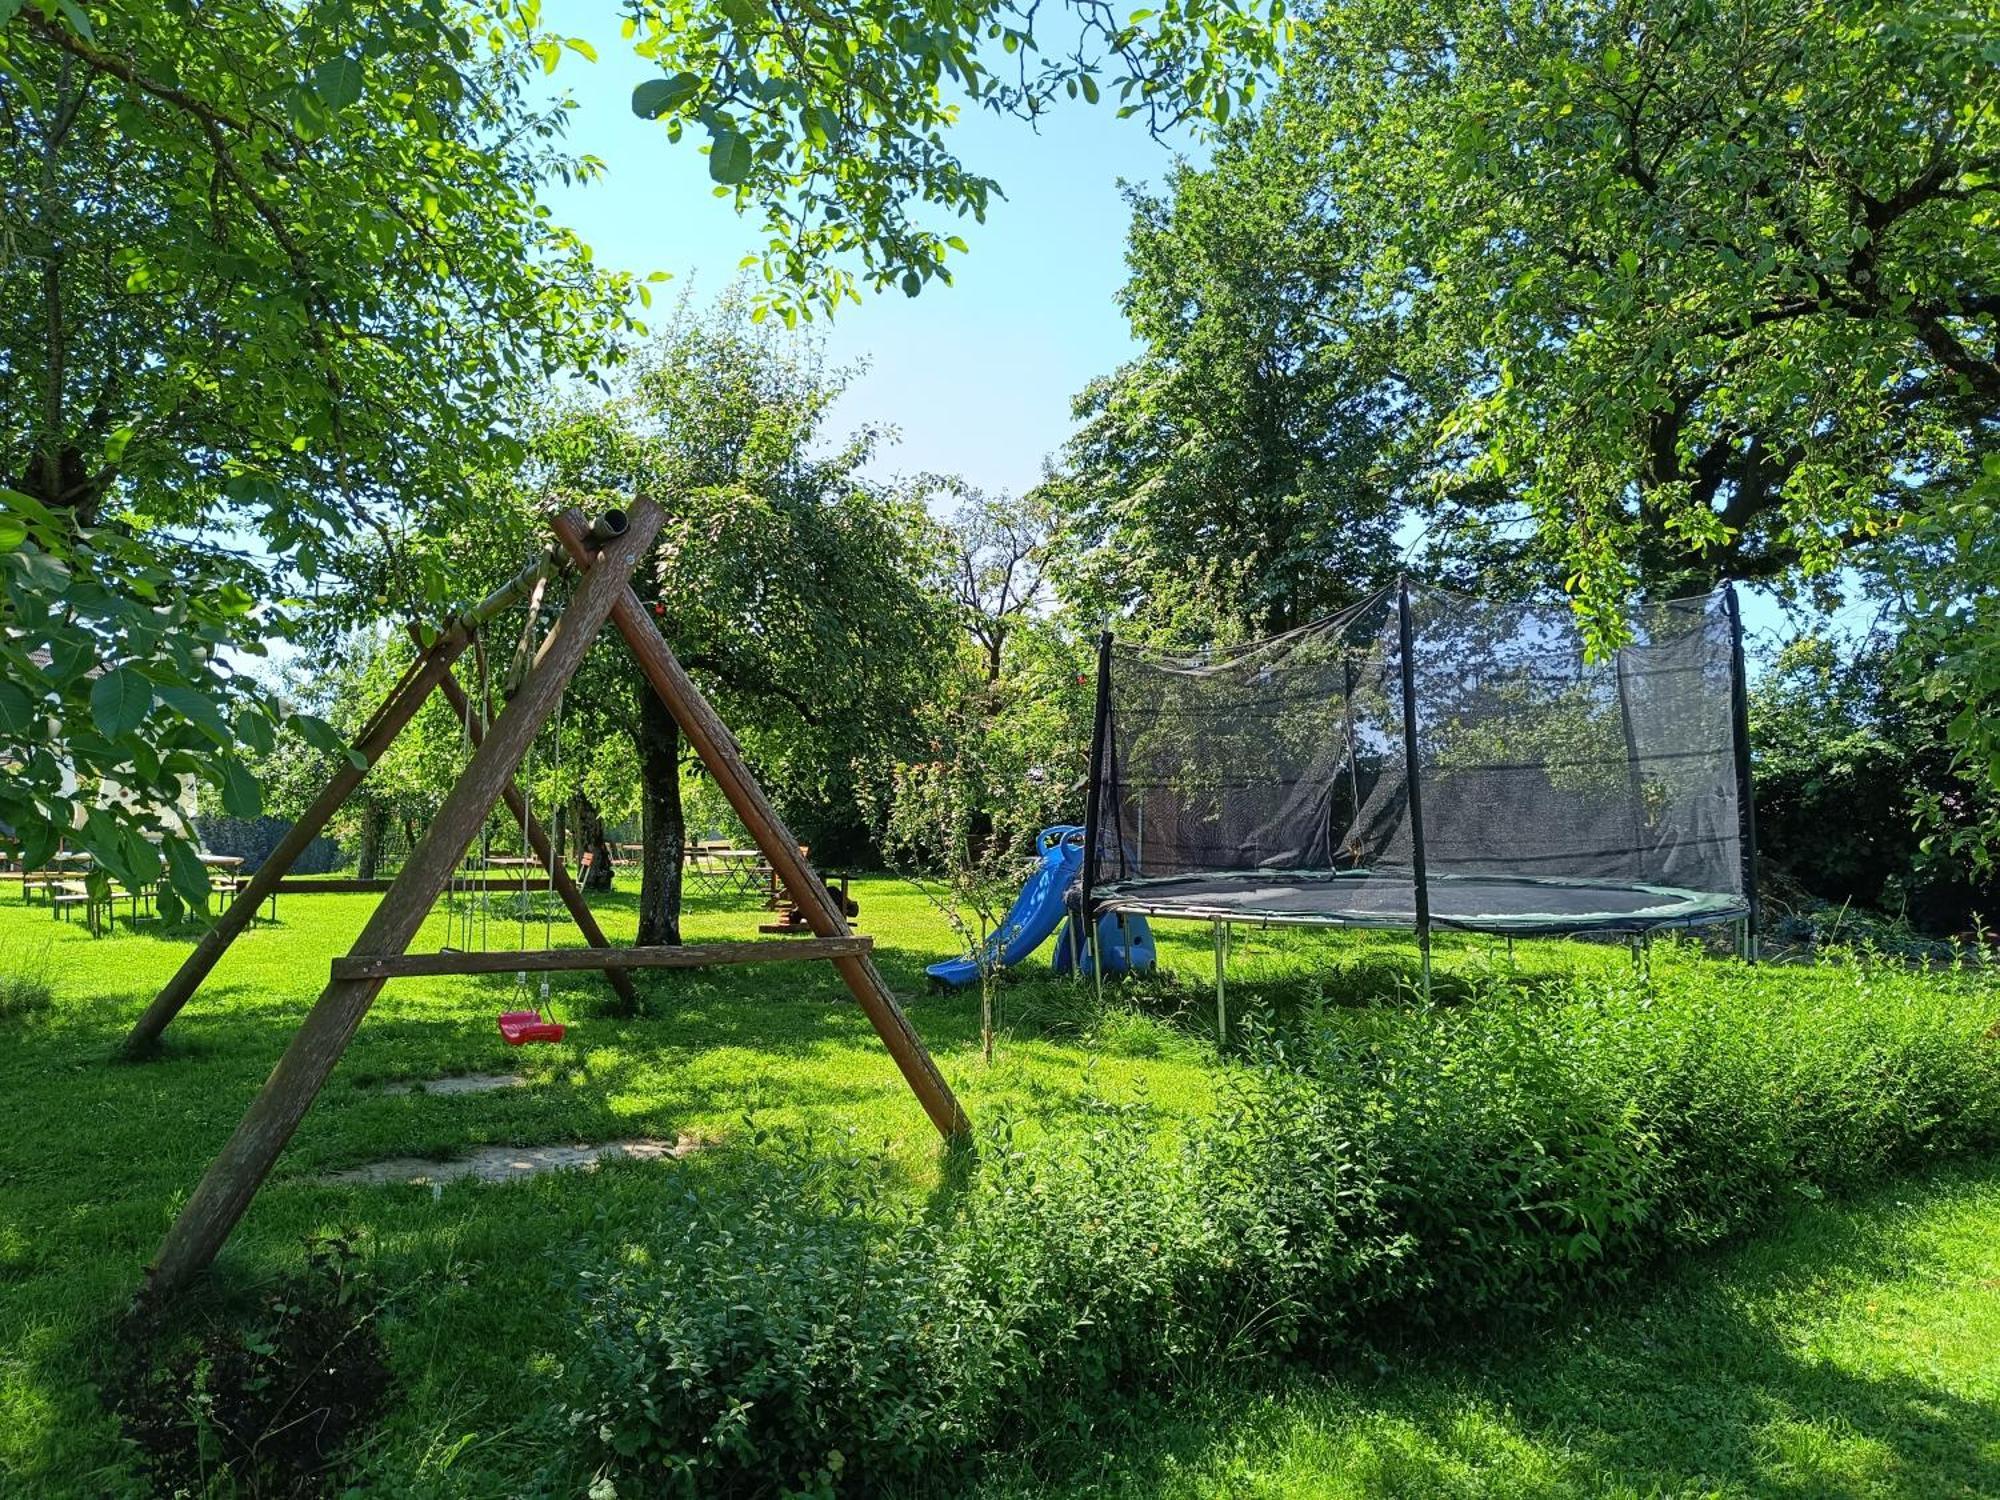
976,376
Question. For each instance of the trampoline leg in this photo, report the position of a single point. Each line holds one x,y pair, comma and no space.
1096,963
1221,1004
1424,946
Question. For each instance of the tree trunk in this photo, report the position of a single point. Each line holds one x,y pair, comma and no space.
664,834
374,823
596,876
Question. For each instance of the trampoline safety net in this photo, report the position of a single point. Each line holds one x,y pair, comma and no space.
1281,781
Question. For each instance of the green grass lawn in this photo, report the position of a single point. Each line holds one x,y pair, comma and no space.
100,1155
1854,1351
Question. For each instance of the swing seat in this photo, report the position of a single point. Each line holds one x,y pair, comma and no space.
519,1026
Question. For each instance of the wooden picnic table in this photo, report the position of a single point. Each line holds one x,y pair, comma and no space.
46,876
65,892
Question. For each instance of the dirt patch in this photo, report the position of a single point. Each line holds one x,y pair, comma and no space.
511,1163
275,1405
458,1083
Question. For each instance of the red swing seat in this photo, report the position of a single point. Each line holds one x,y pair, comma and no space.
518,1026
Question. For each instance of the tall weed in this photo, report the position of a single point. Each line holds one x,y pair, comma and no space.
1373,1170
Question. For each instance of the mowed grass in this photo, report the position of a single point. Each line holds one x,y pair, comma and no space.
101,1153
1853,1351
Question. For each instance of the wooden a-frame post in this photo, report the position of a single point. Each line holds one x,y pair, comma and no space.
719,752
430,672
232,1180
234,1176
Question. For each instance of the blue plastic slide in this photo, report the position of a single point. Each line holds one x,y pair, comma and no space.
1037,911
1123,938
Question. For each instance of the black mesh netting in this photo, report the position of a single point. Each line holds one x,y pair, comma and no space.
1273,781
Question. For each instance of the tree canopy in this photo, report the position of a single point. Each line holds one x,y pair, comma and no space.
273,278
269,277
1667,290
1232,478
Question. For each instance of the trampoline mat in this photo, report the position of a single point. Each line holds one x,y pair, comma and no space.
1388,898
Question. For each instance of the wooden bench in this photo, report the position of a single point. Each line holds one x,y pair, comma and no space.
791,918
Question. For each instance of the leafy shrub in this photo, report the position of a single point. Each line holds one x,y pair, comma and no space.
1844,750
779,1333
1371,1171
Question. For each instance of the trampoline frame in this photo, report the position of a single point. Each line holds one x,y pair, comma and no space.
1130,896
1745,909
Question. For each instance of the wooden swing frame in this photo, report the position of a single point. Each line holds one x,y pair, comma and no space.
604,557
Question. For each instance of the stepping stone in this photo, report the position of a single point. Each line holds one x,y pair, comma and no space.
457,1083
510,1163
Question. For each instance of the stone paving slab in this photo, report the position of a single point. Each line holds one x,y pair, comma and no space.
510,1163
457,1083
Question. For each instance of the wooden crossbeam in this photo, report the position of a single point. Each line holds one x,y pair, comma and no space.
545,960
348,885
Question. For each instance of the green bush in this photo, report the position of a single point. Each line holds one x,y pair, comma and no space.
1372,1170
779,1335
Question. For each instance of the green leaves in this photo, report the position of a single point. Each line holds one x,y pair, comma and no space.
18,720
241,797
835,124
188,873
661,96
338,83
346,192
119,701
729,157
197,708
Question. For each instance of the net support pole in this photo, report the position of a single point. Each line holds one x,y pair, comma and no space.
1413,780
1093,815
1746,802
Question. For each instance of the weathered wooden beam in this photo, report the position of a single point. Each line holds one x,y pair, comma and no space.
389,720
538,840
719,751
555,960
348,885
232,1179
398,707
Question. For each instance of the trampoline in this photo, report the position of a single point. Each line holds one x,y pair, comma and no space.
1430,760
1363,898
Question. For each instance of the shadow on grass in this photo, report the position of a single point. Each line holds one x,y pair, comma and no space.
1700,1385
